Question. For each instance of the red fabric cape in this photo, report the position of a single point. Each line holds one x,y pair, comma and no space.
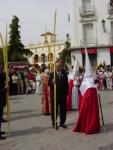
69,96
88,120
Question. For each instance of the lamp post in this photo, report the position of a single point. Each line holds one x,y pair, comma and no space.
67,37
67,43
103,25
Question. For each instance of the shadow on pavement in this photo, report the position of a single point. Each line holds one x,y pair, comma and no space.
25,116
71,124
15,102
22,111
16,98
107,128
35,130
107,104
110,103
106,147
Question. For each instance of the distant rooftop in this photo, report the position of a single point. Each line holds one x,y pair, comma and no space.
47,33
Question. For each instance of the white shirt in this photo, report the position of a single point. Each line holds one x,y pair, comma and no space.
14,79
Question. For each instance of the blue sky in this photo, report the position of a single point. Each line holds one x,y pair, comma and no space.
36,17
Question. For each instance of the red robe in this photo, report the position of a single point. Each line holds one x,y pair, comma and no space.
69,96
88,120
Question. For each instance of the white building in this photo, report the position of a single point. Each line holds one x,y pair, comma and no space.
92,24
43,52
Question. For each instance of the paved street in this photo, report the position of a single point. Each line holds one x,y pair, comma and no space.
30,130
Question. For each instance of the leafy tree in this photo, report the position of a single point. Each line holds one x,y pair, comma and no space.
16,51
65,54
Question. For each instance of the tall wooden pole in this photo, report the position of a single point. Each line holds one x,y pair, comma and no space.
49,53
54,31
6,69
5,53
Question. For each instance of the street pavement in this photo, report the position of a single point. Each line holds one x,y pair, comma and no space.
31,130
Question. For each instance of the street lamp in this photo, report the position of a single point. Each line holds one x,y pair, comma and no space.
67,37
103,25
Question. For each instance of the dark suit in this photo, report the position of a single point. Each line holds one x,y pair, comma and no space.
2,95
61,95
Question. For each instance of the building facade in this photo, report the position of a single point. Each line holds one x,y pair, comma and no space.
43,53
92,25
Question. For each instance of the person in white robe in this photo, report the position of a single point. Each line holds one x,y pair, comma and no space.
38,83
75,89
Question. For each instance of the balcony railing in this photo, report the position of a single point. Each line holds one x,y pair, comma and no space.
88,42
87,11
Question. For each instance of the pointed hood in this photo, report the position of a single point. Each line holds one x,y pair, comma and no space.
74,72
88,80
88,68
76,66
70,75
69,67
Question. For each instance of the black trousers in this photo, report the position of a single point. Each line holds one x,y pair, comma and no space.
1,114
15,89
2,105
61,108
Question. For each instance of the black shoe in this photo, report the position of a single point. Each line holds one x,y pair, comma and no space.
56,126
3,120
2,132
63,126
2,137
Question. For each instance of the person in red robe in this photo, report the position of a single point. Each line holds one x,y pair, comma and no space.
46,106
69,96
88,120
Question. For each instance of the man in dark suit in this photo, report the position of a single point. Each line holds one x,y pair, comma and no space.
2,98
61,93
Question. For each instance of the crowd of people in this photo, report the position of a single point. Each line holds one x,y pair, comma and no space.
74,88
104,77
22,81
25,81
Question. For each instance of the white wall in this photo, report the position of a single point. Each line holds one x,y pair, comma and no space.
103,54
102,38
101,10
101,7
30,59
